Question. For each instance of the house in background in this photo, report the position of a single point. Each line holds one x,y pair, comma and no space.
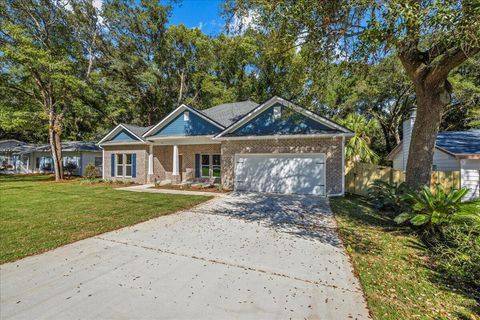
454,151
8,152
37,158
276,147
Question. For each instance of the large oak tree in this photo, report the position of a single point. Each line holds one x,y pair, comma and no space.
430,37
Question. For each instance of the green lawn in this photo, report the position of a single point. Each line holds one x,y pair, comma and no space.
38,214
394,268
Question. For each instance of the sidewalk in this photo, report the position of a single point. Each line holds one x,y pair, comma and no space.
149,187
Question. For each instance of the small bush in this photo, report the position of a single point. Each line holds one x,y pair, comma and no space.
431,211
91,171
388,196
456,252
70,167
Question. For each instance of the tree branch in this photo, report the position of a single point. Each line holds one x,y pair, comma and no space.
452,58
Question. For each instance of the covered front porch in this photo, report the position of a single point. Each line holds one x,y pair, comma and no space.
182,159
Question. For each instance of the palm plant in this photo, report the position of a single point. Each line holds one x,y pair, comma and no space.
358,147
429,210
388,196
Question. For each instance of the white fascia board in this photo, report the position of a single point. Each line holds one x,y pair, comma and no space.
168,140
289,136
116,130
286,103
175,113
124,143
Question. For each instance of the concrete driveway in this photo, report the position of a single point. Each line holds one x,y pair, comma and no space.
242,256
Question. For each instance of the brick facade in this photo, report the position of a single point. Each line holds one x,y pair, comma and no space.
142,162
332,147
163,161
163,158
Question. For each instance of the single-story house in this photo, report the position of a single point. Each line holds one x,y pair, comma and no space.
37,158
276,147
8,151
454,151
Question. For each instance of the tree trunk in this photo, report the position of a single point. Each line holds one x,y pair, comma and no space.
182,85
54,132
386,136
430,103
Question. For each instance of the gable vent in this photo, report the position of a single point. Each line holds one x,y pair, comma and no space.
186,115
277,112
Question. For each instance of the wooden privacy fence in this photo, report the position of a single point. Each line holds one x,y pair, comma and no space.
360,176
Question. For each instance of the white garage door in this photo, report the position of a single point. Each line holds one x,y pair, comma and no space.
470,177
280,173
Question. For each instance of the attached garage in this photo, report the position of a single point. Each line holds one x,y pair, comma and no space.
280,173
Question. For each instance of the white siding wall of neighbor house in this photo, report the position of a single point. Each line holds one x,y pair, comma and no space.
89,157
470,177
27,163
442,161
407,135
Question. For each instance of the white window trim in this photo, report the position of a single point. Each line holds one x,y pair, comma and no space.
124,165
209,165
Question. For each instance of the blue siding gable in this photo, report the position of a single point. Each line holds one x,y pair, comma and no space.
192,127
290,122
124,136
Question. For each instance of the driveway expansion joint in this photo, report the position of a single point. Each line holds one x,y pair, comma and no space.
215,261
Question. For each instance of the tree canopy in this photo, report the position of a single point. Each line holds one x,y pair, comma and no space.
74,70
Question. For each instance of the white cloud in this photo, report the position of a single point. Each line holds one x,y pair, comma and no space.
239,25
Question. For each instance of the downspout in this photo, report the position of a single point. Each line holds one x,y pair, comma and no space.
103,163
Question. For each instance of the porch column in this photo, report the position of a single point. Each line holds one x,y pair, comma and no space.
150,160
175,171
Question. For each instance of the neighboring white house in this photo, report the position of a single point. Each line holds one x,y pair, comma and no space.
454,151
19,157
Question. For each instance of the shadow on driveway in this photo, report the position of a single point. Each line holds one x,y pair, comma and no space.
308,217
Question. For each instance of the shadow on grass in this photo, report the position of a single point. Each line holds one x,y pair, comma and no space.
359,209
25,178
358,212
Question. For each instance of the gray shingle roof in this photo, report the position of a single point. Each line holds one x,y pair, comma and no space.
137,130
69,146
11,145
228,113
460,142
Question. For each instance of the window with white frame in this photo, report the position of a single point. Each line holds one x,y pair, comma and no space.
186,116
71,159
216,165
124,165
205,165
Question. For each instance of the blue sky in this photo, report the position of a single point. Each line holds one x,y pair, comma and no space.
203,14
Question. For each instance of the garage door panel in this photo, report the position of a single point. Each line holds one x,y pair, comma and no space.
296,173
